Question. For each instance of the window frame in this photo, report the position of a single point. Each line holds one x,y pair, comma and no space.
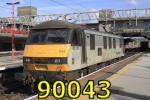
99,51
114,43
110,42
105,42
92,41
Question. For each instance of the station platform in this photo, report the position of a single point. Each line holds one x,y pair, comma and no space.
131,82
6,62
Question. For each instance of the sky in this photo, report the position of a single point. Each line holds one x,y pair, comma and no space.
68,6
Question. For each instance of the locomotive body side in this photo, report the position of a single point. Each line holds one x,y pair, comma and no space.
95,52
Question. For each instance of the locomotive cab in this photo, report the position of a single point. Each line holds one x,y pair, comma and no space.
50,44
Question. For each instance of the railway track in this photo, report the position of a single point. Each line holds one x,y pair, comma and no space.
102,73
15,91
11,90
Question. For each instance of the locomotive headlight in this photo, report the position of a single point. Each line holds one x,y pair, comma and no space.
26,60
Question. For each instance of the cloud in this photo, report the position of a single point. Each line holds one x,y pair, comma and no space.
53,9
18,0
61,9
21,1
133,2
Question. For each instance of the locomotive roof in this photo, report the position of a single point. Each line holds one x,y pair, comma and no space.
56,24
63,24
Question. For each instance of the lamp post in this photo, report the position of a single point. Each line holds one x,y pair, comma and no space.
136,17
12,27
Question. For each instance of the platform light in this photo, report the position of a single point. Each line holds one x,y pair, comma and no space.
12,30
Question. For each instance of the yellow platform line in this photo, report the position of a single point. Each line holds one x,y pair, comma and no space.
117,75
120,72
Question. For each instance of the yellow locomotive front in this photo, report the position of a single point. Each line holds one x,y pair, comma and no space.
46,52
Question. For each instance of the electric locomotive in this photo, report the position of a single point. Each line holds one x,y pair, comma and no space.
62,50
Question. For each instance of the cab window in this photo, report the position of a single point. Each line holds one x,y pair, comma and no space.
48,36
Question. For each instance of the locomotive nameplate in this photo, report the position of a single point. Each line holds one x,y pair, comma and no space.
41,67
